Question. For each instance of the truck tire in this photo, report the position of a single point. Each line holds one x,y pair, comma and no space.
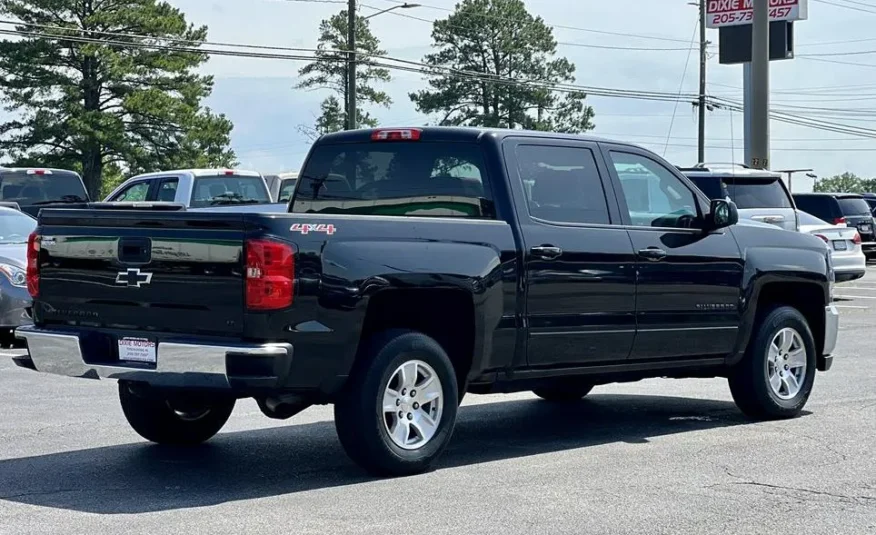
775,378
163,421
563,393
397,413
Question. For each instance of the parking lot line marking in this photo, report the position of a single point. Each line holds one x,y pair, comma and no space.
854,297
868,288
851,306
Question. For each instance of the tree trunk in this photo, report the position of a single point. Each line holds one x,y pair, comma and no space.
92,171
92,153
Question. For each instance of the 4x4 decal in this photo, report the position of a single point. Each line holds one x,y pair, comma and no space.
306,228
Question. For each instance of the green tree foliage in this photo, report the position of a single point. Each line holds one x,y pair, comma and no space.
500,39
845,183
107,103
329,72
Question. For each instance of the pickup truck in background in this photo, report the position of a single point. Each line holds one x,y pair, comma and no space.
416,265
34,188
194,188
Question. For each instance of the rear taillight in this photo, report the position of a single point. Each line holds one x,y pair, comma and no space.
839,221
857,239
823,237
33,264
270,275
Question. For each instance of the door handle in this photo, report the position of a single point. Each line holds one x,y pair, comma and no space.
548,252
652,253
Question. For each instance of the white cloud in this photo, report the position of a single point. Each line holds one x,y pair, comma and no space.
257,93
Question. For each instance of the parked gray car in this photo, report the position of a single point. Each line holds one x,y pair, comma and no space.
759,195
15,227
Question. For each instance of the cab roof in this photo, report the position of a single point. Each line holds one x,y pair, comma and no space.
458,133
219,171
45,170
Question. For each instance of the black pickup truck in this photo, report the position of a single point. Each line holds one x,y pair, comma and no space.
416,265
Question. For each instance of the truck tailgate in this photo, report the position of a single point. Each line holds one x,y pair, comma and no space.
140,270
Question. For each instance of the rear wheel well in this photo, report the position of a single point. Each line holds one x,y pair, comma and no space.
445,315
807,298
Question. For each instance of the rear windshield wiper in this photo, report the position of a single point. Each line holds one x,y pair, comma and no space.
65,199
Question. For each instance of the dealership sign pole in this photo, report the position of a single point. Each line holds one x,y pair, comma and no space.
745,41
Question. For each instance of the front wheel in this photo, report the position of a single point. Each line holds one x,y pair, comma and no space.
398,412
177,420
775,378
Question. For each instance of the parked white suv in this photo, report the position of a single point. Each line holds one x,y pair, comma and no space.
759,195
195,188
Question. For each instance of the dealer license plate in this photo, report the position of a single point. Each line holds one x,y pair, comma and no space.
839,245
137,350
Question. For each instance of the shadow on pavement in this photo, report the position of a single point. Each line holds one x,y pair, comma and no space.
139,477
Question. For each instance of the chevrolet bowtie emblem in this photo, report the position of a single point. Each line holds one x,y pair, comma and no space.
133,278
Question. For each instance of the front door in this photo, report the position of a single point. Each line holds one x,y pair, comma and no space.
579,263
688,281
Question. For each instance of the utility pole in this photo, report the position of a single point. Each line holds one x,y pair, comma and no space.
351,65
701,144
760,86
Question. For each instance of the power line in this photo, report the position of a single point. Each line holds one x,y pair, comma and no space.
506,19
862,10
559,43
407,65
681,84
429,70
836,62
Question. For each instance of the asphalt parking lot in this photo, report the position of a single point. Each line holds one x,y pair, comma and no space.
661,456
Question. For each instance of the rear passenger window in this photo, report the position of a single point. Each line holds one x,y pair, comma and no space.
418,178
167,190
562,184
135,192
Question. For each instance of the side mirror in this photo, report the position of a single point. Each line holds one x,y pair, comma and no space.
722,213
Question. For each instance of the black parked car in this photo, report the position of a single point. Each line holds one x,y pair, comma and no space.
840,208
871,200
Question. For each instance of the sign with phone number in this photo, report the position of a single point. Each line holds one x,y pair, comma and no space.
720,13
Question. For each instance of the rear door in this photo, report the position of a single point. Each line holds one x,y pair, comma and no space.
146,271
579,263
688,281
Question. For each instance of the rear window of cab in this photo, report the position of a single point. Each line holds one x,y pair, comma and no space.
403,178
228,189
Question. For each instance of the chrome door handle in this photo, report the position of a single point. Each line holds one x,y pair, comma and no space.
652,253
547,252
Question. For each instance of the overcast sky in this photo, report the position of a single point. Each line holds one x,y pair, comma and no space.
258,94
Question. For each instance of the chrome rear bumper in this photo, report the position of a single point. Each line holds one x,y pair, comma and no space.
179,363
